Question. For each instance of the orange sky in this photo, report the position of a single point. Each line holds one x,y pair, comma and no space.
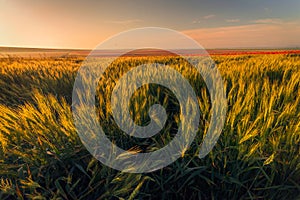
214,24
255,35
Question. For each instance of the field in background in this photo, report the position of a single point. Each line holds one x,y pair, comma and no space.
256,157
66,53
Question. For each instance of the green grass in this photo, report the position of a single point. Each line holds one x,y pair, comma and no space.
256,157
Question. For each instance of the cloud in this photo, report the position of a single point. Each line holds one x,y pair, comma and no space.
268,21
124,22
196,21
247,36
209,16
206,17
232,20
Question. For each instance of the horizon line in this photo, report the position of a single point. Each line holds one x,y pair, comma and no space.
89,49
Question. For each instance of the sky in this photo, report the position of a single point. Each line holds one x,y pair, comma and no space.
83,24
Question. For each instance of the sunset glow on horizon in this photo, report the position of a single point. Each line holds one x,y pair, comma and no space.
214,24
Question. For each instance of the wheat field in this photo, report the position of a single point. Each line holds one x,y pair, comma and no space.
256,157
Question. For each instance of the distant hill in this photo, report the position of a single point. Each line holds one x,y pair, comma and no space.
24,49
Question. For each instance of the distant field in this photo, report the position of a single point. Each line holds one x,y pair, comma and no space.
36,52
256,157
